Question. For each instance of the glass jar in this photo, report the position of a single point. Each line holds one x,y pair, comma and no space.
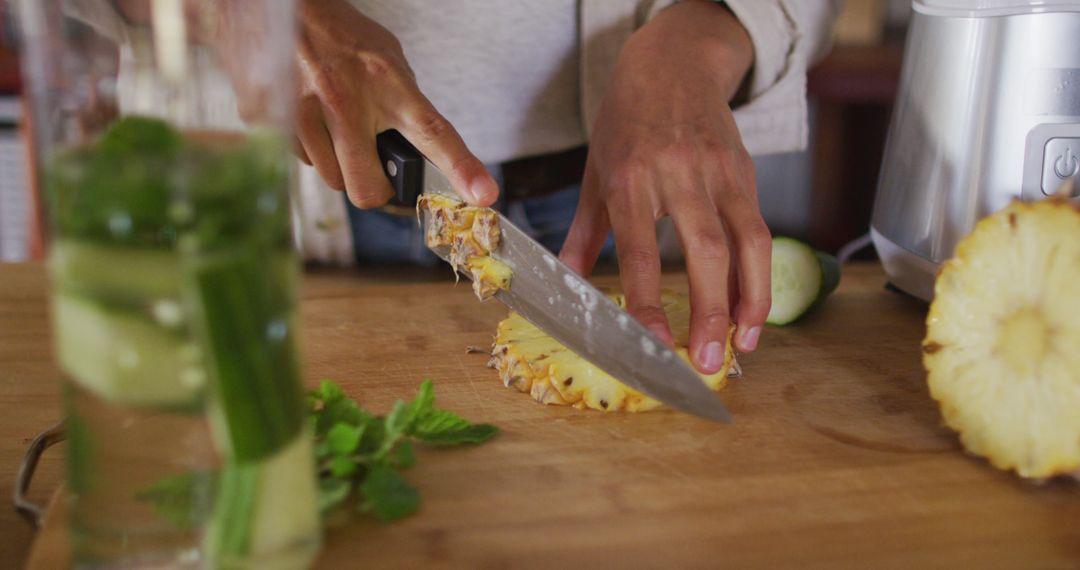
161,130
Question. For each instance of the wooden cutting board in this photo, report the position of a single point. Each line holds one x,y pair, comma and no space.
837,457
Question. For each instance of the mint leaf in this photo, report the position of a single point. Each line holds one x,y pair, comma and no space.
387,494
139,136
342,466
355,449
422,405
332,492
340,411
373,438
398,419
343,439
403,456
443,427
328,392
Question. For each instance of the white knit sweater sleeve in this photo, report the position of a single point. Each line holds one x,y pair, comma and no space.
788,37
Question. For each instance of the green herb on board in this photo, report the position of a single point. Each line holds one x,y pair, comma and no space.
357,452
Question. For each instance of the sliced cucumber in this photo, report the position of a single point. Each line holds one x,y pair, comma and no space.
125,358
801,278
115,271
265,517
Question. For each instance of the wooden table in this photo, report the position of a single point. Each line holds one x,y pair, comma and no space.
837,457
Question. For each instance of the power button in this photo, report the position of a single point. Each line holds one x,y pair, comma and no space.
1061,160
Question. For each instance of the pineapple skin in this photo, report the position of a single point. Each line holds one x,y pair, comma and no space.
530,361
1002,349
472,234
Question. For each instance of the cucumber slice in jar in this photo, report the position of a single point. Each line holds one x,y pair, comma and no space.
801,278
121,272
264,514
123,357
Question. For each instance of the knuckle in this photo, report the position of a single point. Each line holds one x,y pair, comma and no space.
734,163
713,250
334,94
377,66
334,180
677,154
625,174
756,236
639,262
467,167
713,316
430,125
742,159
308,101
366,201
757,303
647,312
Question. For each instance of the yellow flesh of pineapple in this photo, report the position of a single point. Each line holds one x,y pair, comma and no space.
1003,339
531,361
471,234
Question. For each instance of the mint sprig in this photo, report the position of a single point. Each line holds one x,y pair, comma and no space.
363,454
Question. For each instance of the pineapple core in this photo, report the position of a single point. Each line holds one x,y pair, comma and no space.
532,362
1002,348
472,234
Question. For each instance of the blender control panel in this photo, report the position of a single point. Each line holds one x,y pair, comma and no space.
1061,161
1052,156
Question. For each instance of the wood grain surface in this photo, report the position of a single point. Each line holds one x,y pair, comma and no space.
837,457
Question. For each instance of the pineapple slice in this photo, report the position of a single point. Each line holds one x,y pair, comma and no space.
471,234
1002,348
531,361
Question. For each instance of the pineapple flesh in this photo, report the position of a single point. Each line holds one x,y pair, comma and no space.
1002,349
529,360
471,234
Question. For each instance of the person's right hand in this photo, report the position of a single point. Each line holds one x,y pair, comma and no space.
355,83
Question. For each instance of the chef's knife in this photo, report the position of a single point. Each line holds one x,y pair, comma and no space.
551,296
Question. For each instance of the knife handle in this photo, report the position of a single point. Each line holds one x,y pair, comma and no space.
403,165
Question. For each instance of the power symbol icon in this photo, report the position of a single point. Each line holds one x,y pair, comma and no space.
1067,164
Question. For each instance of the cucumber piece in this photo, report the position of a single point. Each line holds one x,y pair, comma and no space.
287,521
124,358
121,272
801,278
267,515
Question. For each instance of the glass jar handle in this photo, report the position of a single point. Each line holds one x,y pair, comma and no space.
46,439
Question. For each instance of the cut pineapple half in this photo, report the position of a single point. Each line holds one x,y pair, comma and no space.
471,234
1002,349
531,361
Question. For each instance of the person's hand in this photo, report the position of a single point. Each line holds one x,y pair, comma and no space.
665,143
354,83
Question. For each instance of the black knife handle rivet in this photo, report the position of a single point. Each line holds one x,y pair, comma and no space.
403,166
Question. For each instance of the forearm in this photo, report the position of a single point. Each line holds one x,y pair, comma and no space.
705,30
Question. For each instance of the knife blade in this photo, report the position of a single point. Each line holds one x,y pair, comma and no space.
551,296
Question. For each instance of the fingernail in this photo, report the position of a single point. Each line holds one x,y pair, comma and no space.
749,338
480,190
711,357
468,193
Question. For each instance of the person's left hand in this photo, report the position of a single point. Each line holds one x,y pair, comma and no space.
665,143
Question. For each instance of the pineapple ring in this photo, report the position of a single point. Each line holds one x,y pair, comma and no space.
531,361
1002,348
